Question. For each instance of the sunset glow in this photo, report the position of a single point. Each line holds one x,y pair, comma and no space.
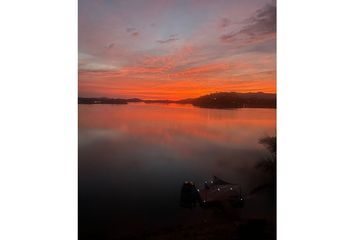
165,49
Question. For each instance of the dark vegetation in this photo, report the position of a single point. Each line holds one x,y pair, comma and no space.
268,166
214,100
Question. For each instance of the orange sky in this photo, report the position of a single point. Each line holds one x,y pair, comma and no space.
165,49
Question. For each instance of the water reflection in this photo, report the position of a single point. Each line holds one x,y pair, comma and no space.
133,159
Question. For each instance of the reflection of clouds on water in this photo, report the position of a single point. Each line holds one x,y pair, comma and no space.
88,137
101,147
133,158
200,141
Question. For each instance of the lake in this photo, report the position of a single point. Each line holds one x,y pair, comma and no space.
134,158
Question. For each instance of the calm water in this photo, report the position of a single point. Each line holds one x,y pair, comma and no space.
134,158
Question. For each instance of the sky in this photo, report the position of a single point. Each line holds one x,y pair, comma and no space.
176,49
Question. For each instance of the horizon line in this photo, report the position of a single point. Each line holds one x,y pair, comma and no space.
177,99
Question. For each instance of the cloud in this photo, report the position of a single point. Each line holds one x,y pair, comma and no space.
84,56
203,69
132,31
263,22
129,30
142,70
135,34
225,22
259,26
90,63
229,36
95,67
172,38
109,46
167,51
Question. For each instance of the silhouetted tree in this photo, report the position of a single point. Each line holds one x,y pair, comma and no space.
268,165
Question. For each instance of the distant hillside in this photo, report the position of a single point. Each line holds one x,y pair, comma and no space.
102,101
234,100
134,100
214,100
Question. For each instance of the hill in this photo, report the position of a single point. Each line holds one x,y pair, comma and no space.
234,100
